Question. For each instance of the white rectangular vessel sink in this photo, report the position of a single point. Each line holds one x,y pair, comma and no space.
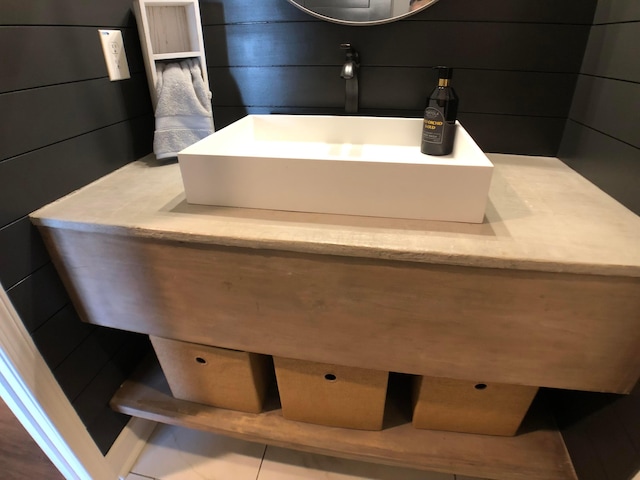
368,166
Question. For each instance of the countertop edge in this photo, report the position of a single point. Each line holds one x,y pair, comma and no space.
360,251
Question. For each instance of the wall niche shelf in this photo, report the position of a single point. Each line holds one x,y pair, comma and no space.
172,56
169,30
536,453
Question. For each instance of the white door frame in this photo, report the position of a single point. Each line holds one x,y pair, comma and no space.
29,388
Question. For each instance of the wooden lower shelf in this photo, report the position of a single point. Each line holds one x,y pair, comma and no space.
536,453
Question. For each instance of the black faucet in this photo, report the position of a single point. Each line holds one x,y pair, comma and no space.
350,74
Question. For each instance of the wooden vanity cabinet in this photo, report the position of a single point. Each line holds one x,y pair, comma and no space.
544,293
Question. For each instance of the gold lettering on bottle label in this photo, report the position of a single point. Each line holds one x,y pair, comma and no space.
433,126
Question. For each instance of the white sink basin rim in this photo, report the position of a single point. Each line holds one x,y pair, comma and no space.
369,166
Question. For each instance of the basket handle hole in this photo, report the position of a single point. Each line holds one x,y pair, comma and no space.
480,386
330,377
201,361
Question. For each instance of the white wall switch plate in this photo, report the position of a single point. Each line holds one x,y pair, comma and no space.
114,54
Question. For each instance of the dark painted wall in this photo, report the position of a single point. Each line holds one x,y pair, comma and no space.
602,138
63,125
602,142
516,64
601,432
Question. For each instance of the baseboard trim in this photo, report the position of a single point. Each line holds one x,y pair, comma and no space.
125,450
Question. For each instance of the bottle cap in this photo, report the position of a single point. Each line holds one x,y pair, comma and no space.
445,72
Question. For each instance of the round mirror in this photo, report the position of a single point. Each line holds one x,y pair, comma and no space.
362,12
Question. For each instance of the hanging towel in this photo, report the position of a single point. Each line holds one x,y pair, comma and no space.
183,112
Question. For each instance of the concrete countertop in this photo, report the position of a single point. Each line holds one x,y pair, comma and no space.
541,216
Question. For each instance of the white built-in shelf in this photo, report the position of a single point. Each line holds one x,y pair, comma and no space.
169,30
173,56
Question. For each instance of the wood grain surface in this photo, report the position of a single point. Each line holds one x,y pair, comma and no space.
517,327
536,453
20,456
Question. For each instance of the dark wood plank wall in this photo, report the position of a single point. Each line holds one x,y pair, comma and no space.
516,64
602,142
64,124
602,138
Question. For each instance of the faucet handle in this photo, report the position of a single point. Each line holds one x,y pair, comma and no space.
352,53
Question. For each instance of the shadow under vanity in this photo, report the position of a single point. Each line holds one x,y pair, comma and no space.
544,293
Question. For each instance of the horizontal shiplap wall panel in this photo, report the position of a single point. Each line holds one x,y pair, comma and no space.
627,408
602,140
216,12
602,143
64,125
594,427
34,179
612,11
518,60
67,12
609,106
38,297
514,134
481,45
86,106
21,251
487,91
91,402
69,332
493,133
106,428
546,11
612,165
480,91
609,49
538,11
85,362
36,56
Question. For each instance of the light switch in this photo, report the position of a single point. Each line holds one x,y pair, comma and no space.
114,54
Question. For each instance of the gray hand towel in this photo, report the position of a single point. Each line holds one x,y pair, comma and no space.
183,112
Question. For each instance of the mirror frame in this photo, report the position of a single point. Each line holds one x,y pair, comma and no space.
353,23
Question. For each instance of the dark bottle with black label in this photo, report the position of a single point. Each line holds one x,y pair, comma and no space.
439,128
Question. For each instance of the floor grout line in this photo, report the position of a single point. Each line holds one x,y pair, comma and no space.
264,452
299,467
142,476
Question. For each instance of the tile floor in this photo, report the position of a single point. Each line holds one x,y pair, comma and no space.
176,453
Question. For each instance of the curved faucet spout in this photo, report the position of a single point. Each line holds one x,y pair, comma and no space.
350,74
348,71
